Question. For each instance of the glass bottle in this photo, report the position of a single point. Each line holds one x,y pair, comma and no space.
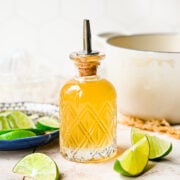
88,109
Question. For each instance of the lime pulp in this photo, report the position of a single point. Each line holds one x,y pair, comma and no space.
134,160
37,166
159,148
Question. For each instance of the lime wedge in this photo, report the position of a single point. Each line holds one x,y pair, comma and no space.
37,166
4,123
134,160
47,123
36,131
4,113
19,119
158,147
16,134
4,131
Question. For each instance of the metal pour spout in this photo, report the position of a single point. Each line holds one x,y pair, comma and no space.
86,37
87,48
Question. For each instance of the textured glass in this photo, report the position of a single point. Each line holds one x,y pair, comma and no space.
88,120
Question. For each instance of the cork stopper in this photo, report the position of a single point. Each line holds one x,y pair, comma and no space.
87,60
87,64
87,68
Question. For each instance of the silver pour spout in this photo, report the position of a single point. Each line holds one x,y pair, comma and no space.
87,48
86,37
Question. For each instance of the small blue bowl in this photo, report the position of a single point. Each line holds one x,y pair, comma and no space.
34,109
29,142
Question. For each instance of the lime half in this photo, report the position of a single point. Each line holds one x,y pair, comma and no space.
158,147
47,123
134,160
37,166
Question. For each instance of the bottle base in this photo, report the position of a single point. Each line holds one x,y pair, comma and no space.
89,155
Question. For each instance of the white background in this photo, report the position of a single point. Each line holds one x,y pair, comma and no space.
37,36
51,29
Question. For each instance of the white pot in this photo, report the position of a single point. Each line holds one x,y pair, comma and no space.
145,70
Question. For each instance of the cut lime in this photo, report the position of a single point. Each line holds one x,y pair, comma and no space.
158,147
37,166
4,113
4,131
4,123
16,134
134,160
36,131
47,123
19,120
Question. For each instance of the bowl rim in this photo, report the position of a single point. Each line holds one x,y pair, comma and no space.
142,34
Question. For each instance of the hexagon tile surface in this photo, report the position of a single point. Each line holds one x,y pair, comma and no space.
38,11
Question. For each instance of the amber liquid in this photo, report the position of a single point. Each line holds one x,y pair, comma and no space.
88,120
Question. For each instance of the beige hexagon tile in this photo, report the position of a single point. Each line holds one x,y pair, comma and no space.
17,34
166,12
6,10
150,26
77,10
38,11
128,11
57,40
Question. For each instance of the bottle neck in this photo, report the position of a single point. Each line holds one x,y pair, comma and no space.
87,65
87,78
87,68
87,71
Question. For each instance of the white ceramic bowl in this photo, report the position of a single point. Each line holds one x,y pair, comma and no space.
145,70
